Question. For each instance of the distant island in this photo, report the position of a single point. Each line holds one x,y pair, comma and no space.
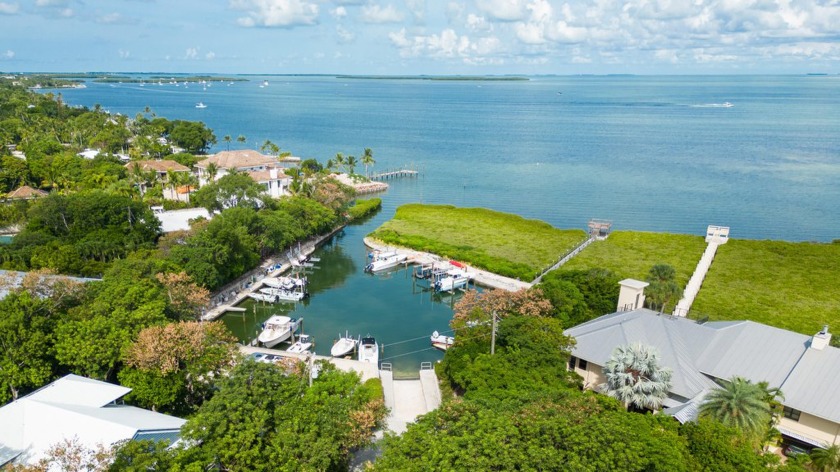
504,78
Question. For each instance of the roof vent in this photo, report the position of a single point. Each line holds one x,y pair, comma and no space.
821,339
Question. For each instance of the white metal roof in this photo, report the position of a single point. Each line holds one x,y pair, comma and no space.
82,391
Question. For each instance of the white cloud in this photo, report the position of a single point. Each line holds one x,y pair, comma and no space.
110,19
504,10
417,8
191,53
375,13
276,13
210,56
344,35
447,45
9,8
477,23
51,3
9,54
339,12
124,53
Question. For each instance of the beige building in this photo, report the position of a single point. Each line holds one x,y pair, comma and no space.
805,368
265,170
162,168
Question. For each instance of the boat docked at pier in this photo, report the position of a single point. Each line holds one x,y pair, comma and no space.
345,345
282,294
277,329
385,260
452,279
286,283
303,344
369,351
440,341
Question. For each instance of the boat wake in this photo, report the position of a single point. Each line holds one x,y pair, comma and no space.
713,105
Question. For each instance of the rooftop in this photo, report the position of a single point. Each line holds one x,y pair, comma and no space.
26,192
163,165
238,159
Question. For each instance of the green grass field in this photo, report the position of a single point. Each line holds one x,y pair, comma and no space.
795,286
631,254
499,242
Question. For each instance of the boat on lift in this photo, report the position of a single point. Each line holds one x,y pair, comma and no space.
277,329
441,342
369,351
303,344
344,345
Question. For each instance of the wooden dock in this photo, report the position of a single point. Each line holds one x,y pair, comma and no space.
394,174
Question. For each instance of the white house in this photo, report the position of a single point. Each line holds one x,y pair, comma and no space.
162,169
265,170
805,368
75,406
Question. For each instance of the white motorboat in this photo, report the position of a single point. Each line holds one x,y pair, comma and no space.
386,262
369,351
343,346
288,283
261,297
441,342
453,279
282,294
303,344
200,105
277,329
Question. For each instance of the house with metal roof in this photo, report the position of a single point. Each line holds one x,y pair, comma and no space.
805,368
74,406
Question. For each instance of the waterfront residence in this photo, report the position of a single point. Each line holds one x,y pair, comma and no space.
162,170
265,170
25,193
805,368
77,407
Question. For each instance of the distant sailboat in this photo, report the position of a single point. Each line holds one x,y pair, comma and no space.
200,105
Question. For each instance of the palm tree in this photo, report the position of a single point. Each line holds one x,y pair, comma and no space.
367,160
741,404
635,377
240,139
330,164
340,161
663,286
212,170
227,140
826,458
352,162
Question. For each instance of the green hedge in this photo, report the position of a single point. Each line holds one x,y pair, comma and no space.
363,208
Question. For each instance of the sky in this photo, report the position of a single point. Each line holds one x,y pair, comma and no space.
394,37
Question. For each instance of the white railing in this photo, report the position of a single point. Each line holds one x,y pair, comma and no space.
385,366
425,366
696,280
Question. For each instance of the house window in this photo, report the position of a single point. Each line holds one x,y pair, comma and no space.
582,364
572,362
792,414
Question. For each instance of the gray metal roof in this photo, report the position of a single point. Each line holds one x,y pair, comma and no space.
809,378
814,385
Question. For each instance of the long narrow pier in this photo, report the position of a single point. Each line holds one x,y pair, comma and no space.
574,252
237,291
394,174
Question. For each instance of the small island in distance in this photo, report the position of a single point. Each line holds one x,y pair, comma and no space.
436,77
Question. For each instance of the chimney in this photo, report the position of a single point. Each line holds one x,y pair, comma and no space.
632,295
272,173
821,339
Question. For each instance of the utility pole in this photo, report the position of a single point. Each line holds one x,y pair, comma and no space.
493,336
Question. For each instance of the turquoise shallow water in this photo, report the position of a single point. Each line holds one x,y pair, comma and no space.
649,153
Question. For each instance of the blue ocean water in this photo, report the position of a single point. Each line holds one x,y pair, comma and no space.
648,153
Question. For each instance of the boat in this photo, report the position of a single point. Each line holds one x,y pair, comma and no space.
727,105
200,105
385,262
288,283
261,297
277,329
279,294
303,344
452,279
441,342
369,351
343,346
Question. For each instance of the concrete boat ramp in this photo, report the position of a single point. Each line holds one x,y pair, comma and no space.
405,399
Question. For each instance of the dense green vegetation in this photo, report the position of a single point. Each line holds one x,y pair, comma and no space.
788,285
499,242
631,254
520,409
363,208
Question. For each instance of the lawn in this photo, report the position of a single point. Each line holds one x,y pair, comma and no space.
631,254
501,243
792,286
